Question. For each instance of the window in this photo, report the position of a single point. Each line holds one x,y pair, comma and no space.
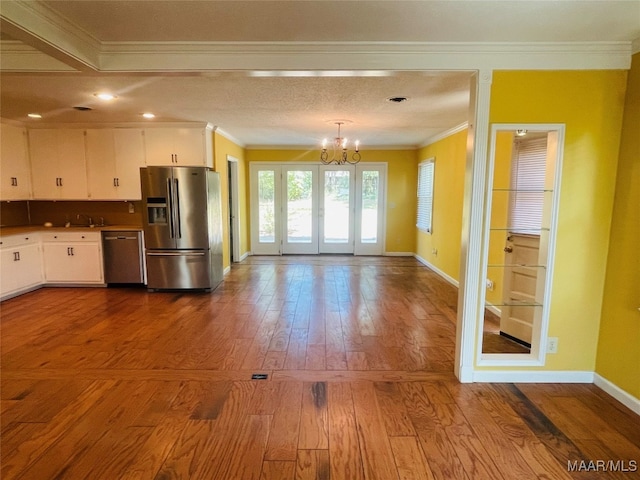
425,194
528,185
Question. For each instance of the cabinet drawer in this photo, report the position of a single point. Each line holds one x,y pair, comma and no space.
23,239
52,237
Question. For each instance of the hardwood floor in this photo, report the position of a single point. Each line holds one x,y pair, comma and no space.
119,383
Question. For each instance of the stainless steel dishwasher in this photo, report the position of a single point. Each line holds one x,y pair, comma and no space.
123,259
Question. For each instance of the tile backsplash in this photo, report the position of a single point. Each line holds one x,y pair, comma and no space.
38,212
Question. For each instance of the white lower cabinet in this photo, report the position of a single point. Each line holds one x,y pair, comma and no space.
20,264
73,257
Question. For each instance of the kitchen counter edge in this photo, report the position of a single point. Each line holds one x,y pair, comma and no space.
7,231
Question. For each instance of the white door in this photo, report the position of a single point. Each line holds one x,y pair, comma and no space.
520,307
266,208
335,219
310,209
300,209
370,197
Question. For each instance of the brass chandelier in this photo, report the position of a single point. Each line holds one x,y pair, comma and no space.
340,154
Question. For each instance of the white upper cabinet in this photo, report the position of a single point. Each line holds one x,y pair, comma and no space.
189,147
114,158
15,182
58,166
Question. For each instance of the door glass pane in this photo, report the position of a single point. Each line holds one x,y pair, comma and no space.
299,204
336,206
266,206
370,194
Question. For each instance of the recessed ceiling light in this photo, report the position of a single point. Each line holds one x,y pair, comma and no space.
148,115
34,115
105,96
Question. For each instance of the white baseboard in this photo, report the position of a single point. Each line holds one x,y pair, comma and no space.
493,309
537,376
431,266
616,392
227,270
244,255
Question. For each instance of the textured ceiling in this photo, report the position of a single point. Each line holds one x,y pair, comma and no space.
279,107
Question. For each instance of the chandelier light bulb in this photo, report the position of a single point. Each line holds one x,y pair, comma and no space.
340,154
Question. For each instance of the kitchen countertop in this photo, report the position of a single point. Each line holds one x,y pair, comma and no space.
41,228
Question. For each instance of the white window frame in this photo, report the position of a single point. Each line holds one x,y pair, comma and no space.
426,176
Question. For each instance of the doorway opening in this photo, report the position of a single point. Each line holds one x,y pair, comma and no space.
234,214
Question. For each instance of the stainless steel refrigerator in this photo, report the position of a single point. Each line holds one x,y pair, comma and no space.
182,220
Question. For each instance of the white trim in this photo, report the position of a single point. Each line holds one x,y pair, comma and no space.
435,269
228,136
234,186
245,255
536,376
40,26
227,270
616,392
310,57
445,134
471,278
493,309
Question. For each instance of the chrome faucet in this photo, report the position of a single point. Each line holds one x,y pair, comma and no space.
89,219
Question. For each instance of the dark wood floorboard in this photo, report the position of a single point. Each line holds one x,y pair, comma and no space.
357,357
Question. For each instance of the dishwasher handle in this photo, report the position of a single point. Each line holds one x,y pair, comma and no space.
121,237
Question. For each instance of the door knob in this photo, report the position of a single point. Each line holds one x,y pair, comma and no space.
508,249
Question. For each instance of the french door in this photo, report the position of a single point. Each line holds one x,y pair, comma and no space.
309,209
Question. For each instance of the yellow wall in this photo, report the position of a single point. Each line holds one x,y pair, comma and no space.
448,192
499,214
618,357
590,103
222,147
401,188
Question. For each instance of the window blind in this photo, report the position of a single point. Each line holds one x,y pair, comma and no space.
425,195
528,183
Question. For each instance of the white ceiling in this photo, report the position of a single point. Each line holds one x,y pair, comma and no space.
280,72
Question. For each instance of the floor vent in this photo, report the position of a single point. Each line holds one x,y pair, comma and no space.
259,376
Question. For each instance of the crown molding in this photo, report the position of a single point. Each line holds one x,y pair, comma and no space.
37,25
228,136
80,52
368,56
445,134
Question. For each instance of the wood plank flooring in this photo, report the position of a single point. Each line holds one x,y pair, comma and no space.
119,383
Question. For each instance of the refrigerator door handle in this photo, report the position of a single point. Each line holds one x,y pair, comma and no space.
177,217
170,213
176,254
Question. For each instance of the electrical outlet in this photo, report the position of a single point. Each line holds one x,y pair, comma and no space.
131,208
434,252
552,345
490,285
